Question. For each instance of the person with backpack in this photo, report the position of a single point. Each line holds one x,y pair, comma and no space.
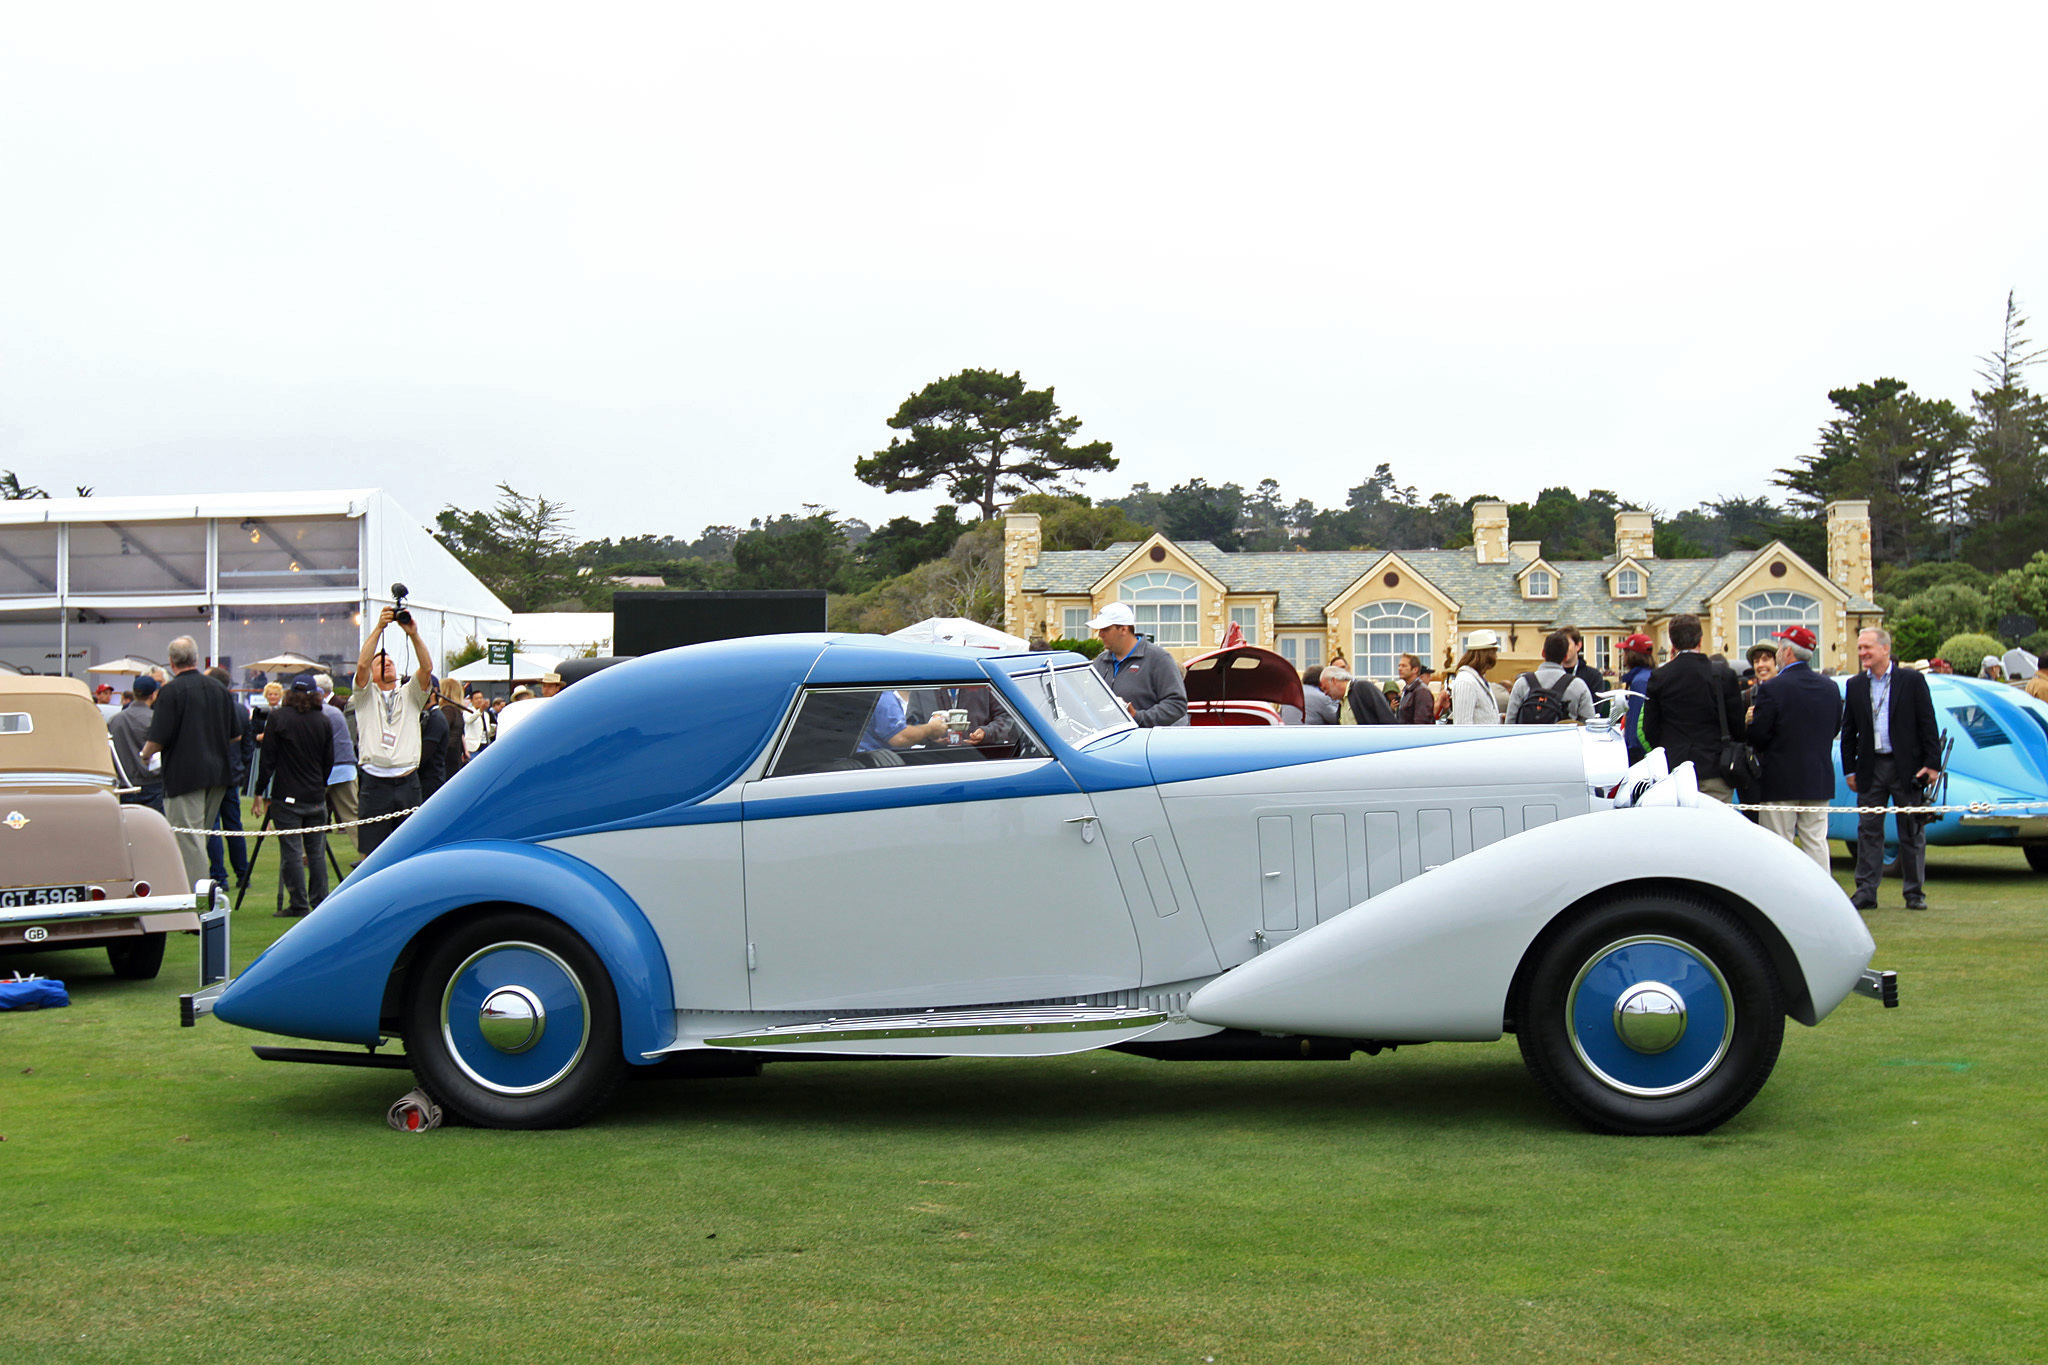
1554,693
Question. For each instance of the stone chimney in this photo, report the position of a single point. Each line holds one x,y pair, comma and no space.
1522,551
1490,532
1849,546
1635,533
1022,539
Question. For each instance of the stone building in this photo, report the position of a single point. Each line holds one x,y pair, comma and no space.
1370,607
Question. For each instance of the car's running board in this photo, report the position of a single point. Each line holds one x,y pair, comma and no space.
323,1057
1035,1031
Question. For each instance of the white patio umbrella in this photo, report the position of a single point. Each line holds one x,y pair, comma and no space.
287,663
2020,665
958,630
130,664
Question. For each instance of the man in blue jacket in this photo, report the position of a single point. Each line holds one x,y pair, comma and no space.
1891,752
1792,728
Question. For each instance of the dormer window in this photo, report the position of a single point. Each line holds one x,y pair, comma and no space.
1628,582
1539,584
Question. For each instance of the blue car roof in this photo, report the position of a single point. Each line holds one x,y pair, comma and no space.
655,734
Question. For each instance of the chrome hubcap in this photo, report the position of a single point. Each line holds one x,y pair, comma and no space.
1650,1017
512,1019
515,1018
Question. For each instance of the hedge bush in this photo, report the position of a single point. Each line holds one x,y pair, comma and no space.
1965,653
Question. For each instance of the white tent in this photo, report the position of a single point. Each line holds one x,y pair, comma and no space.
958,630
525,668
568,634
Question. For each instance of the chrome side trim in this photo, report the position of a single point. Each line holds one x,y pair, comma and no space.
17,778
943,1024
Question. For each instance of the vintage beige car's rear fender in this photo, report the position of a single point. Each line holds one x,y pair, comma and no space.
1435,958
153,850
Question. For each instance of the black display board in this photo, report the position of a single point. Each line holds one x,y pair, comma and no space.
647,622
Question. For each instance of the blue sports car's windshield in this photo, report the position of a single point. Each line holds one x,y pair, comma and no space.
1072,702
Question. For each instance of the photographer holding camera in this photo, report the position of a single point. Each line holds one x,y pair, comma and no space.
388,726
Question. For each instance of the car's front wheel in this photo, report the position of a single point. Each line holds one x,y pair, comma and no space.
137,959
2037,857
1651,1013
511,1021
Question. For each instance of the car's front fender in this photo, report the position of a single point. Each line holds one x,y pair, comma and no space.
1435,957
325,979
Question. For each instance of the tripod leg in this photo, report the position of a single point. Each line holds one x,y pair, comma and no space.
262,833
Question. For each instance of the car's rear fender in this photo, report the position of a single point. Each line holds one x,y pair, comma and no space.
1436,957
327,978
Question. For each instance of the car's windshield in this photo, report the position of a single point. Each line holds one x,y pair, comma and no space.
1072,702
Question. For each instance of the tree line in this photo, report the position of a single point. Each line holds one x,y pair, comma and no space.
1958,501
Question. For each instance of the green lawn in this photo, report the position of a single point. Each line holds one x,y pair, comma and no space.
173,1199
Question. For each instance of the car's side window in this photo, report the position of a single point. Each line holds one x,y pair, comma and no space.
844,729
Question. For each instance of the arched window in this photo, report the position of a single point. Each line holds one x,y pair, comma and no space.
1165,606
1758,618
1381,632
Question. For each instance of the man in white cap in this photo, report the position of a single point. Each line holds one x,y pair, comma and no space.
1143,676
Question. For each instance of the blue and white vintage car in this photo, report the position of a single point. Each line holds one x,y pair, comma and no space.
841,846
1997,741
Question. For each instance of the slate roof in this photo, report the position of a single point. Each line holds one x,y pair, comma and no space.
1305,581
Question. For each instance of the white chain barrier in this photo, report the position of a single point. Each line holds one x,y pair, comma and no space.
1973,808
276,830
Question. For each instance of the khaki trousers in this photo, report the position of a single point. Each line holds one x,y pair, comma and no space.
1808,830
194,810
341,801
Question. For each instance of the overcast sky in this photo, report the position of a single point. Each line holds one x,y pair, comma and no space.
675,265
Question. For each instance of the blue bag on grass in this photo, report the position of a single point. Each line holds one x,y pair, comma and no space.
33,993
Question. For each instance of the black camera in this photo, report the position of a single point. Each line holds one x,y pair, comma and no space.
400,617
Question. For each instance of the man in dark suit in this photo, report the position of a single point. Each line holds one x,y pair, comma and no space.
1792,727
1680,705
1891,751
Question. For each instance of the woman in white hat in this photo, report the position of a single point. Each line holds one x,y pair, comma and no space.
1472,699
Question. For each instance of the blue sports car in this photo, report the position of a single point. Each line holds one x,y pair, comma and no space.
844,846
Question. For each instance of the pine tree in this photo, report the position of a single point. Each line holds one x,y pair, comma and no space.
2005,500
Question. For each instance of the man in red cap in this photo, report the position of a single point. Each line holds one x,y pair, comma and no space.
1798,714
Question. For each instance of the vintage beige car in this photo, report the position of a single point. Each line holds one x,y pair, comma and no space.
77,868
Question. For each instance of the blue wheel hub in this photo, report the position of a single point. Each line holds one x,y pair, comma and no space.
515,1018
1650,1016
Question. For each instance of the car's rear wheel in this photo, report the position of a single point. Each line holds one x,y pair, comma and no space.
137,959
511,1021
2037,857
1651,1013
